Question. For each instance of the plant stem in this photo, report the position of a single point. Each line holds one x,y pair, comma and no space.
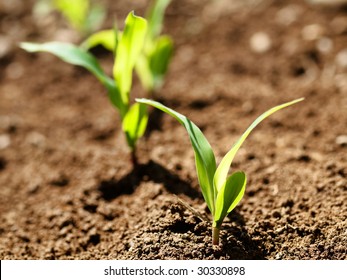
215,235
134,158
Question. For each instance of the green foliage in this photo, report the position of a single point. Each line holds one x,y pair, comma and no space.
158,49
85,16
130,44
221,192
152,64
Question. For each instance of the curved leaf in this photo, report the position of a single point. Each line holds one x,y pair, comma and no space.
229,196
95,17
155,17
135,123
129,47
144,72
223,168
79,57
160,58
105,38
204,157
75,12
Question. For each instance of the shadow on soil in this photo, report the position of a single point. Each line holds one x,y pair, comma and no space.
150,171
236,243
236,240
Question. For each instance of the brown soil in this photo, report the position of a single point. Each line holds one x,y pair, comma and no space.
68,189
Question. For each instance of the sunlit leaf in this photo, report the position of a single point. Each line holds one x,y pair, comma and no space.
160,58
95,17
155,17
204,157
105,38
229,196
135,123
75,11
79,57
224,166
128,49
144,72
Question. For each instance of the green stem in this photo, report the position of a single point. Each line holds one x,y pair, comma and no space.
215,235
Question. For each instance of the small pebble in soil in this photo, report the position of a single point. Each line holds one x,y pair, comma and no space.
36,139
288,15
260,42
312,32
341,140
278,256
341,59
5,141
33,188
60,180
325,45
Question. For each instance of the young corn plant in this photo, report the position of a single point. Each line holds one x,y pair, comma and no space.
222,192
85,16
152,64
127,49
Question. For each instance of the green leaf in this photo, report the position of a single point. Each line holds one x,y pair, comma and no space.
105,38
160,58
155,17
204,157
135,123
229,196
223,168
96,17
129,47
144,72
79,57
152,68
75,12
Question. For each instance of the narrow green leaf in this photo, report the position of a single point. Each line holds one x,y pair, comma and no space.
204,157
73,55
105,38
129,47
79,57
135,123
96,17
160,58
152,67
155,17
144,72
229,196
223,168
75,12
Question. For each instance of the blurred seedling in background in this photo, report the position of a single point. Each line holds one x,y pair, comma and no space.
85,16
152,64
221,192
128,47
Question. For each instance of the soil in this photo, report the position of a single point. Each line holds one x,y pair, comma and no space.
68,189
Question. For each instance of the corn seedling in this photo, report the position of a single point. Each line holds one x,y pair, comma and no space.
221,192
152,64
85,16
128,48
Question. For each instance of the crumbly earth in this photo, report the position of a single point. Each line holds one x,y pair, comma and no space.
68,189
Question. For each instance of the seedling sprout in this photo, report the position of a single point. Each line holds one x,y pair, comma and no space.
128,47
221,192
152,63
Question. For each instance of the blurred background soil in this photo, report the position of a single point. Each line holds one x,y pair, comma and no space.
67,186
